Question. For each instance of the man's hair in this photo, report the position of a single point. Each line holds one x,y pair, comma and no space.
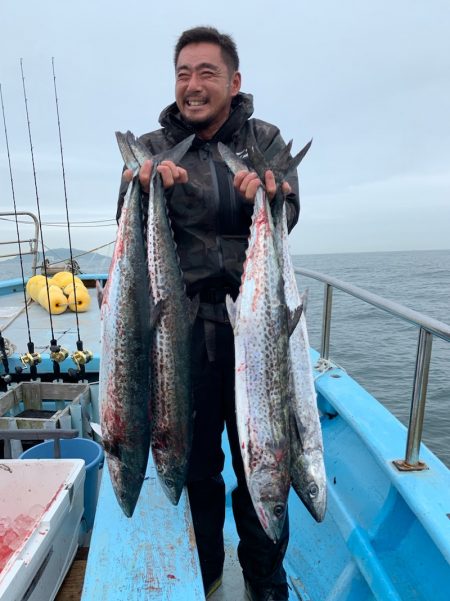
197,35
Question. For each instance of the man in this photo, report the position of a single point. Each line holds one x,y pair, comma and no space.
211,214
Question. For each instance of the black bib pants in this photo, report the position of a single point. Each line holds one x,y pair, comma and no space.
213,381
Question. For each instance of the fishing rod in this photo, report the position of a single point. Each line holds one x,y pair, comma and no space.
80,357
55,351
31,358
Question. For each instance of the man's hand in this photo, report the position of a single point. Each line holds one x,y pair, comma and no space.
170,174
247,182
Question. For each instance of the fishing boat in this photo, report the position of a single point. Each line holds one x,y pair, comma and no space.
386,533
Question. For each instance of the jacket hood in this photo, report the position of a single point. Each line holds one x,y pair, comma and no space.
176,128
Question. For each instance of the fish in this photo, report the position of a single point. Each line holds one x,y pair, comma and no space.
124,384
260,322
308,474
307,464
172,398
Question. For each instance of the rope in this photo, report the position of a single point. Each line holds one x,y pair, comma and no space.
323,366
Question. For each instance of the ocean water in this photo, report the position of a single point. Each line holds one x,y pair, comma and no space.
377,349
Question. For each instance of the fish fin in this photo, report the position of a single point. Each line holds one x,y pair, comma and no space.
138,148
125,150
280,165
155,313
131,145
232,310
293,318
258,160
176,153
299,157
192,307
304,300
234,163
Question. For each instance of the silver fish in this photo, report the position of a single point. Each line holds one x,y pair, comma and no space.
260,324
172,401
307,465
124,368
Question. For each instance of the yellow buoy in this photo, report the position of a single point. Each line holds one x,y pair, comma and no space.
69,288
83,299
34,285
58,301
63,278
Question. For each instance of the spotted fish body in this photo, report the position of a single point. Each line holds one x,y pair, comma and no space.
259,320
124,369
172,401
307,465
170,363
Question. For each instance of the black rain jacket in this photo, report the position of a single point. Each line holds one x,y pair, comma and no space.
210,219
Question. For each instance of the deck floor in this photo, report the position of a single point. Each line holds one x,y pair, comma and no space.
232,588
13,325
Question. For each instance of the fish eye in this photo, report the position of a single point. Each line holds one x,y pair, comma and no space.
168,482
313,491
278,511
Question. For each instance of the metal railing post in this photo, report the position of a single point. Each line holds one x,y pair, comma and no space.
429,327
419,396
326,322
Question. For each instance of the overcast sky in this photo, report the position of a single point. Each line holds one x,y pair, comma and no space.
369,81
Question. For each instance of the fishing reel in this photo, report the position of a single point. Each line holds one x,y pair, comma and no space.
30,359
58,353
81,357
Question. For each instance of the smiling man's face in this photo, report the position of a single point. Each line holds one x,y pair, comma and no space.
204,87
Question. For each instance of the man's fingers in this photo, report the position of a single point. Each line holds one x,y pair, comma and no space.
171,174
252,188
247,182
239,178
127,175
145,173
271,185
286,188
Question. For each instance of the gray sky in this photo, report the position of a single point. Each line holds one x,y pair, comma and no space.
368,80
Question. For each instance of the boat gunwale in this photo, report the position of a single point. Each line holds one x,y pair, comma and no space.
359,410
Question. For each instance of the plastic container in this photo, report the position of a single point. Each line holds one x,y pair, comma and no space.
41,506
77,448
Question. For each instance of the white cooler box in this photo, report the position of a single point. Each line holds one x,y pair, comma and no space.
41,505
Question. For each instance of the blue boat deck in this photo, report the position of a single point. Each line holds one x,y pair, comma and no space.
382,537
153,554
13,326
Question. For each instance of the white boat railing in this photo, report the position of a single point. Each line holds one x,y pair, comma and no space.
33,242
428,328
